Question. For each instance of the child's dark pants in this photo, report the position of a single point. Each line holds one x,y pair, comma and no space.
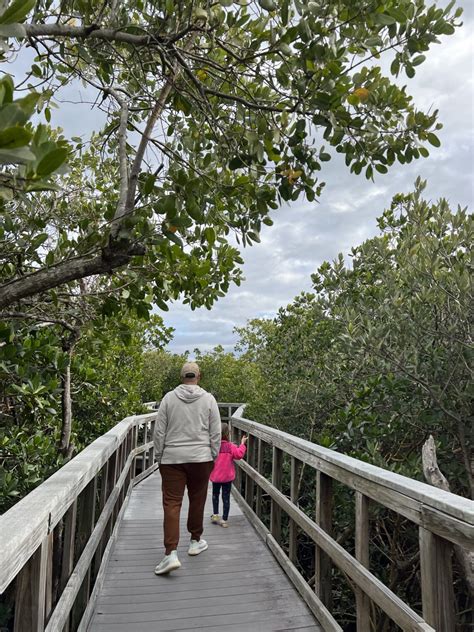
216,491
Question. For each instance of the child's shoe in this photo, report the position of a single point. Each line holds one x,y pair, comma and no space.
215,519
224,524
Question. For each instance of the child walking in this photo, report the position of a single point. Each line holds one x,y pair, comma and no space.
223,474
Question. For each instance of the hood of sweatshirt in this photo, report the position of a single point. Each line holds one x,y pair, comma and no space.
189,392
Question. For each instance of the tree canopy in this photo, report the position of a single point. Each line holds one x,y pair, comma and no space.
214,115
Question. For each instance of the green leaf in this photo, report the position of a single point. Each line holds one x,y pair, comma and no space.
149,184
17,156
12,114
268,5
433,140
52,161
17,11
381,168
419,59
161,304
6,90
14,137
383,18
210,235
254,236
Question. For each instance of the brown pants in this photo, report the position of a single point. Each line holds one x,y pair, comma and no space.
194,476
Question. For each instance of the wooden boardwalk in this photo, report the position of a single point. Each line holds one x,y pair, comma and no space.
236,585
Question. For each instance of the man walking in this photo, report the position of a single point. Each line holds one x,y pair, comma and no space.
187,441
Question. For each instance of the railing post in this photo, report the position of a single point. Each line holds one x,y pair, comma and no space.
362,555
134,445
294,489
85,526
437,592
322,582
277,473
259,508
152,433
145,453
237,434
30,598
69,539
249,484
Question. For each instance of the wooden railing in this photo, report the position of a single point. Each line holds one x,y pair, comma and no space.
443,519
55,542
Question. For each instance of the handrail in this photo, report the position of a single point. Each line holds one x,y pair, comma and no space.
58,520
443,519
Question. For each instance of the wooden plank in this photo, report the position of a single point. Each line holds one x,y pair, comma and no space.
396,609
437,581
256,621
217,611
330,462
275,510
362,555
30,594
184,605
294,488
324,502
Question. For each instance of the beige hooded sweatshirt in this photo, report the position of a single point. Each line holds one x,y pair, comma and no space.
188,426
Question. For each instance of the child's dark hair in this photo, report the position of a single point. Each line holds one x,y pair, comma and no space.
225,431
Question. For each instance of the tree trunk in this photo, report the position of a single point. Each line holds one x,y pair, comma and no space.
64,446
435,477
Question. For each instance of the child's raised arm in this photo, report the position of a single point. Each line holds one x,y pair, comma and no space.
238,452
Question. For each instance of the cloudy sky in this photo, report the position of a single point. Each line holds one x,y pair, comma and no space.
306,234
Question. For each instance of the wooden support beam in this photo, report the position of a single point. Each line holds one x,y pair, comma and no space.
30,597
259,468
85,526
251,458
324,501
152,434
362,555
437,581
294,490
277,475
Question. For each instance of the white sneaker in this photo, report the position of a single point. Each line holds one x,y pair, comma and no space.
168,563
196,547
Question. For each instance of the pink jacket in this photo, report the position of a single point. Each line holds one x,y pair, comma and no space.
224,468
